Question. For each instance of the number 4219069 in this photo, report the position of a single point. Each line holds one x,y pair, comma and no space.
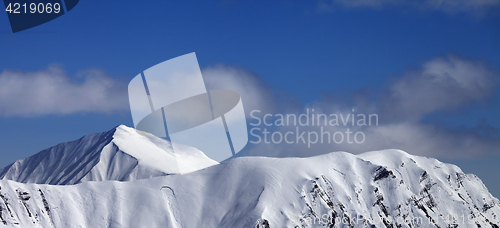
33,8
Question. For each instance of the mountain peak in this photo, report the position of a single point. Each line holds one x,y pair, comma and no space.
389,188
121,153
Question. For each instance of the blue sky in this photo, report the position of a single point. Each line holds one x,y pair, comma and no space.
308,53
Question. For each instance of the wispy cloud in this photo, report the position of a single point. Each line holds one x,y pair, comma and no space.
448,6
444,83
52,91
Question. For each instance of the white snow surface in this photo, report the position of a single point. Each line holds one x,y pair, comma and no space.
331,190
122,154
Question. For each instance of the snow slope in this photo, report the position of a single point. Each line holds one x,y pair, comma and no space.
119,154
331,190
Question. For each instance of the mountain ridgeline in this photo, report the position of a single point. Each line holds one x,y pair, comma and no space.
124,178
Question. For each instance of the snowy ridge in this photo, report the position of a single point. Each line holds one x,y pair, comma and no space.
331,190
119,154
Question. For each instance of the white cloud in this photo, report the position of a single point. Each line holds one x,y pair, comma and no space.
52,91
448,6
453,6
364,3
441,84
415,138
444,83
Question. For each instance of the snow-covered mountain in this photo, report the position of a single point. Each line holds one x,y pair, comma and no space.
119,154
375,189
